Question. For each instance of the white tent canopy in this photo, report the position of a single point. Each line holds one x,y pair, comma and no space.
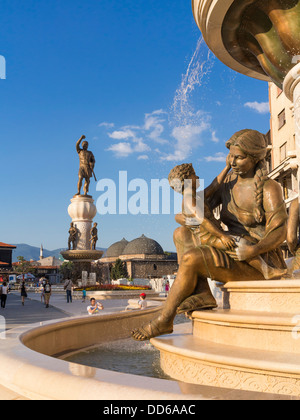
27,276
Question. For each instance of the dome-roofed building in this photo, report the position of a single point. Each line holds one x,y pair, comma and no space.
144,257
115,250
142,247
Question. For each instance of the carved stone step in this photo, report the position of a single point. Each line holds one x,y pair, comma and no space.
281,296
189,359
250,330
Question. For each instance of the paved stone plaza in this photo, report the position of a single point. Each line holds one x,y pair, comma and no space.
34,311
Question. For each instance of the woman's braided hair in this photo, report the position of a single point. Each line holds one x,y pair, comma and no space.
254,144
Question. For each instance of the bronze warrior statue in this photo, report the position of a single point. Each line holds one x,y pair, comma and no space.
73,237
87,164
255,214
94,236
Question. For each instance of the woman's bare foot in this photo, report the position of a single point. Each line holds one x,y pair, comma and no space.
155,328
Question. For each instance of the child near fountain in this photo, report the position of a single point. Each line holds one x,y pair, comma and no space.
142,302
83,295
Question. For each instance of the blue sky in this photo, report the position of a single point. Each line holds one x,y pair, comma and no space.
115,71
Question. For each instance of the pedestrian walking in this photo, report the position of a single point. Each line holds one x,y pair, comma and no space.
68,286
42,286
41,289
47,293
4,293
23,292
83,295
167,288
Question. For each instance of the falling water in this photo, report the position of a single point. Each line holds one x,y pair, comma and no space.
188,122
201,64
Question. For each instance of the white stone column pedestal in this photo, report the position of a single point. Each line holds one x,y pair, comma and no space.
82,211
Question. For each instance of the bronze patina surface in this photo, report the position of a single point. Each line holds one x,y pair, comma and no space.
73,237
264,35
255,214
87,163
94,236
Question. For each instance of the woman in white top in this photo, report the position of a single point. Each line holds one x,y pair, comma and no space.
4,295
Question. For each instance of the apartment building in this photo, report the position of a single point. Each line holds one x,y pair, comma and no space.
282,159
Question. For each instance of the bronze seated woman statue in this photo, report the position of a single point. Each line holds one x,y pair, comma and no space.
255,214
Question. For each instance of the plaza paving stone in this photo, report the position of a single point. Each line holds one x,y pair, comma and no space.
34,310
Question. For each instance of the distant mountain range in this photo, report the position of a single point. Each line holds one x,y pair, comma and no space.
33,253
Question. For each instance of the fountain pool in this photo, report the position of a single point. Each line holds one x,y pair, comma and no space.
126,356
123,356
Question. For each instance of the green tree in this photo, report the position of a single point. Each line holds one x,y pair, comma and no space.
68,270
24,266
119,270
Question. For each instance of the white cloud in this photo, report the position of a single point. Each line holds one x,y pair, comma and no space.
121,149
214,137
140,146
188,137
260,107
122,135
132,127
218,157
176,142
153,119
182,139
154,126
106,125
186,134
125,149
135,137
